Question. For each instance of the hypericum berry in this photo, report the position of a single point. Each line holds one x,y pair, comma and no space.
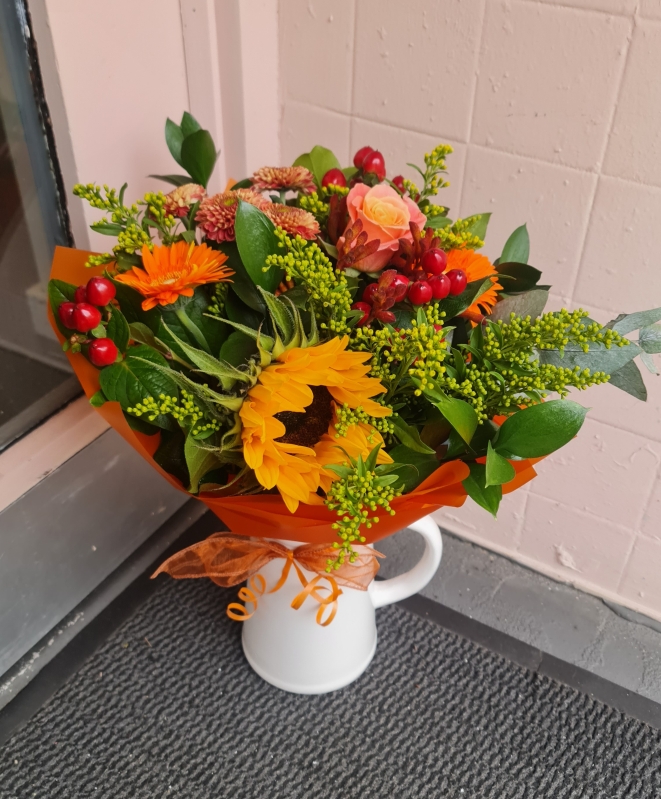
365,308
434,261
102,352
401,284
420,292
65,312
80,294
370,290
440,286
334,177
375,164
458,281
398,183
85,317
360,156
99,291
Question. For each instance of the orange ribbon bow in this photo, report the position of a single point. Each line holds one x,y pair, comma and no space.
230,559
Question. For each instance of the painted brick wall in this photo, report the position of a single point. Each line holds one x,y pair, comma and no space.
554,111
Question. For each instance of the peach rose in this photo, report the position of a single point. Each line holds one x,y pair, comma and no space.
385,215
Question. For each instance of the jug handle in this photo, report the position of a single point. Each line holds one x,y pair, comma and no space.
385,592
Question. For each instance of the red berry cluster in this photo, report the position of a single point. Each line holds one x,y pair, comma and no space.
379,297
83,315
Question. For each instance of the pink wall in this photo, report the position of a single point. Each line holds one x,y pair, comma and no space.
554,111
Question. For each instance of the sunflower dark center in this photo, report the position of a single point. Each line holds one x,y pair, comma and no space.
305,429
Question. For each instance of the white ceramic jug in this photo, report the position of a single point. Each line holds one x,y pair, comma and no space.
290,650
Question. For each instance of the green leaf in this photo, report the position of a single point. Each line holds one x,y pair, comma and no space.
349,172
456,305
409,436
255,238
170,454
627,323
130,302
242,284
629,379
265,341
143,335
517,276
98,399
370,463
460,414
487,497
132,380
597,359
530,303
59,292
424,465
246,183
650,338
282,317
198,156
174,180
322,159
174,138
478,227
541,429
189,124
199,461
304,160
438,222
226,374
498,469
237,349
238,312
99,331
107,228
517,247
118,329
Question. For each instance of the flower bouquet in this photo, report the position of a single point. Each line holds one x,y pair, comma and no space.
322,355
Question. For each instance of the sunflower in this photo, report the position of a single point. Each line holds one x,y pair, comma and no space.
288,418
175,271
476,267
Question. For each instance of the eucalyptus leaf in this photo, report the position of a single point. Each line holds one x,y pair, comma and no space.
517,247
487,497
649,363
540,429
627,323
650,338
498,469
530,303
256,240
597,359
628,378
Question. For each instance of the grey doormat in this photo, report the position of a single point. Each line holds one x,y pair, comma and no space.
168,707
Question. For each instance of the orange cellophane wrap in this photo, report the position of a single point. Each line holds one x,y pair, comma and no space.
266,515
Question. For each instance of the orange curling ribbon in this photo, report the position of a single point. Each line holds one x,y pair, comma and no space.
231,559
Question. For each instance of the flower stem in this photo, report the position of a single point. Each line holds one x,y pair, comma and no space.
192,328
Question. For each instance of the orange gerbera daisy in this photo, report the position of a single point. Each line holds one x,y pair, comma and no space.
288,418
476,267
174,271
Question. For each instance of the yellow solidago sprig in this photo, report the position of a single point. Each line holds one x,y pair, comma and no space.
328,292
132,225
499,371
346,416
361,490
186,411
460,235
398,356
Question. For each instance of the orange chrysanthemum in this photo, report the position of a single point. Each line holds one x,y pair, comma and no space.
175,271
217,214
476,267
294,221
297,178
288,418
